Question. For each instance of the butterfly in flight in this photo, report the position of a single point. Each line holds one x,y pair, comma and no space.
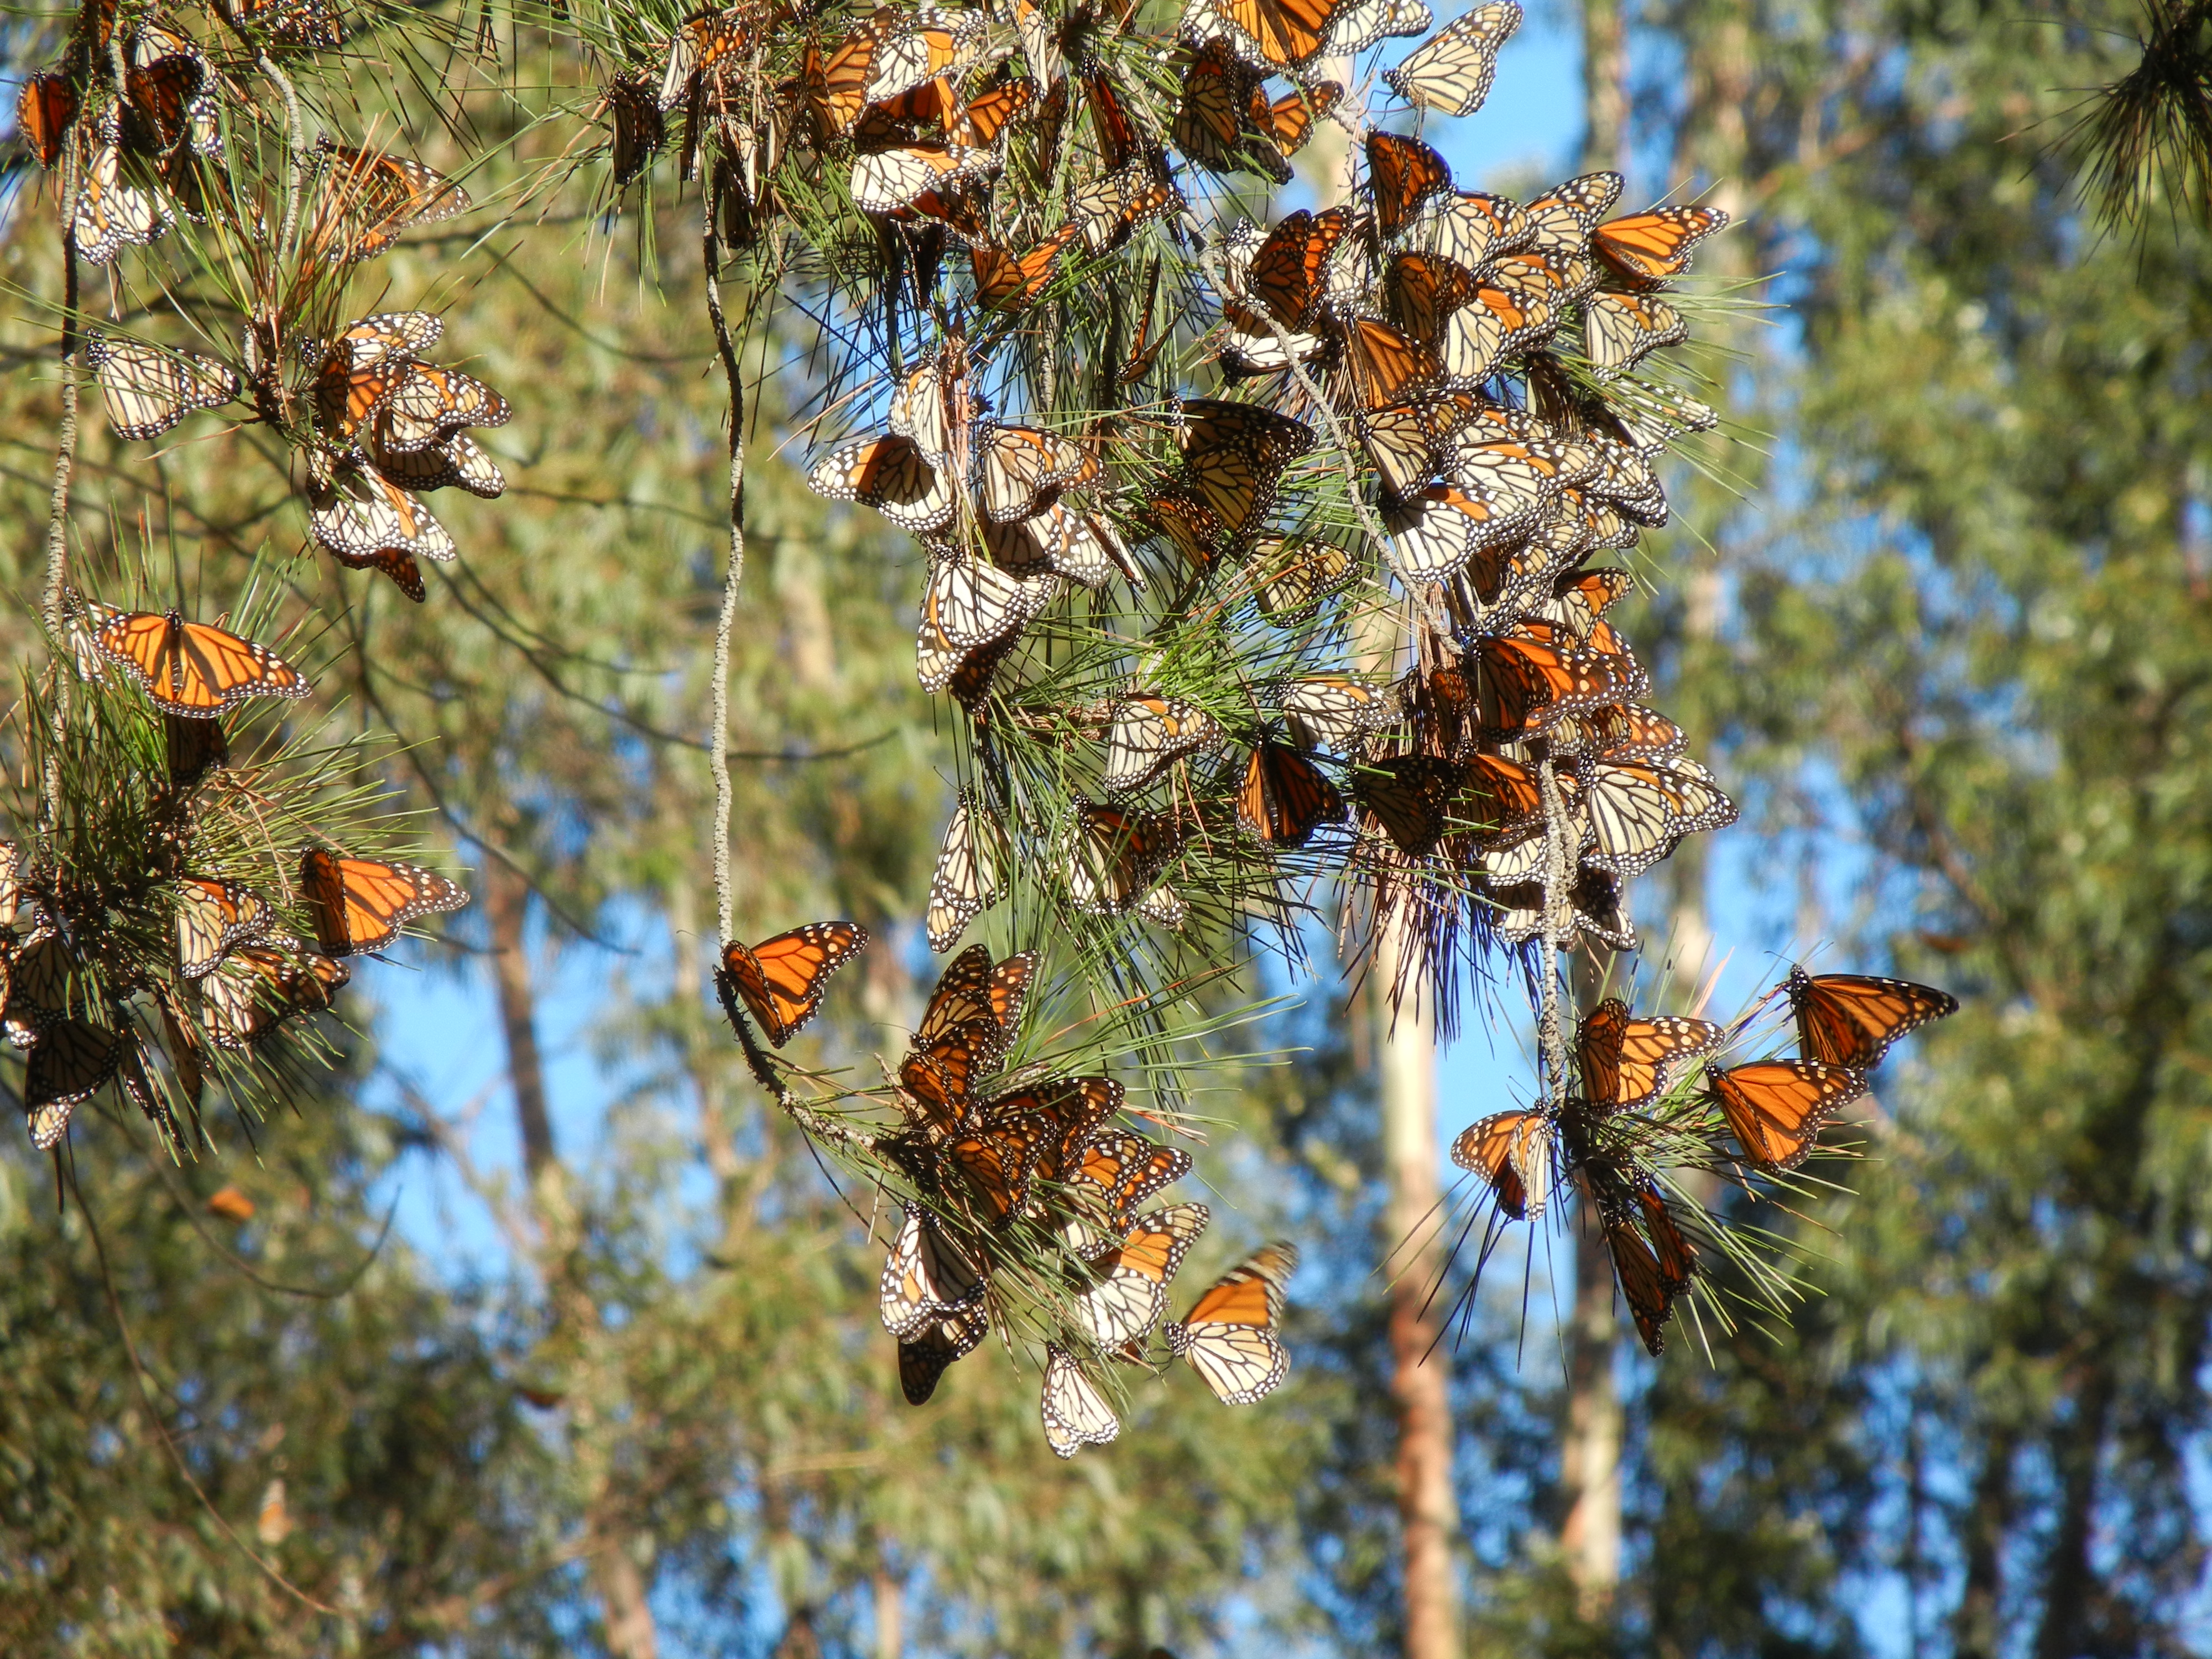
780,978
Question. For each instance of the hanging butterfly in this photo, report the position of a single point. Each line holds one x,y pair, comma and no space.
1467,228
836,87
211,917
1110,210
1407,795
933,41
1511,1151
1452,70
703,40
1527,682
367,198
1776,1108
1289,580
314,25
45,109
1652,1274
1382,366
194,748
1129,1288
1440,530
923,1359
1285,797
1333,712
43,984
190,669
972,988
365,521
1851,1019
1360,24
1560,220
149,388
110,216
158,91
1516,912
1620,330
1114,857
430,404
1273,36
885,180
926,1279
641,127
71,1062
938,1077
1006,280
1646,249
1075,1414
1148,734
1062,538
996,1163
259,985
359,905
1118,1171
1055,1120
967,674
1176,512
1403,174
968,604
1616,732
454,459
891,474
1624,1061
1501,799
1287,122
966,881
781,978
1234,455
1229,1334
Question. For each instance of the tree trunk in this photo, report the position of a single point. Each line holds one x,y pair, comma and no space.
1589,1454
1976,1629
2070,1579
507,903
889,1600
1420,1383
1605,85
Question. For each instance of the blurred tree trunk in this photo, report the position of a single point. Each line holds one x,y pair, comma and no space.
1605,84
506,904
1428,1509
890,1607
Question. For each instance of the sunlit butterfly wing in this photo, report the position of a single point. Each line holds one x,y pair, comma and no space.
1062,538
1619,329
1289,270
781,978
1560,220
190,669
1289,580
1115,856
1851,1019
1441,529
1075,1414
885,180
1776,1108
211,917
431,402
1511,1151
45,111
1288,121
1500,797
1334,713
44,985
887,473
1129,1292
1147,735
933,42
1406,796
359,905
968,604
938,1076
1452,70
926,1278
149,388
1643,1286
1006,281
1126,1170
1384,366
111,215
1650,247
260,986
454,459
1020,465
966,880
1229,1334
1625,1061
1358,24
1404,174
1285,797
1234,455
1467,227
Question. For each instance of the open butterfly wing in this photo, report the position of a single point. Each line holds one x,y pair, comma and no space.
780,978
1851,1019
1775,1108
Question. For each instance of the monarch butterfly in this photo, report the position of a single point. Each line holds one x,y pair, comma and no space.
1234,454
884,180
1251,344
1289,580
353,383
1625,1061
1055,1121
1403,174
1650,1280
1649,418
1148,734
309,23
837,87
1114,856
430,403
1332,712
1517,480
1490,326
71,1062
1645,249
1401,442
1118,139
972,988
922,1359
1620,330
1064,539
1383,366
1287,122
701,40
359,905
1517,912
369,197
1579,598
45,109
1776,1108
1229,1334
1467,227
887,473
1441,529
1452,70
1851,1019
969,603
781,978
1127,1170
1529,682
1511,1151
364,520
158,94
1075,1414
1626,815
1110,209
1560,220
996,1161
1289,270
373,339
190,669
926,1278
110,216
1177,512
938,1076
1020,465
640,128
211,917
968,675
1040,41
42,986
1407,796
1551,279
1359,24
966,879
1272,35
1285,797
260,986
919,413
1006,281
1424,289
455,459
1129,1289
1618,731
1501,797
935,41
149,388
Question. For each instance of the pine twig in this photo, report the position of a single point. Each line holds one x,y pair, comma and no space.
762,1067
65,449
1557,928
718,758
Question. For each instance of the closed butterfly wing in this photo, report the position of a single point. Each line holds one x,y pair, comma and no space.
924,1357
1625,1061
888,180
969,603
1500,797
111,215
1114,857
887,473
1289,270
1021,464
1451,71
1289,580
938,1076
1851,1019
212,916
1441,529
148,389
190,669
1561,220
45,109
1406,796
1129,1289
1061,539
71,1062
363,520
1467,229
966,880
1631,821
1119,1172
1285,797
1075,1414
781,978
1229,1334
926,1278
1512,1152
1273,35
359,905
1619,329
1148,735
641,129
996,1163
1404,174
933,42
1334,713
1643,1285
454,459
1776,1108
258,986
1006,280
432,402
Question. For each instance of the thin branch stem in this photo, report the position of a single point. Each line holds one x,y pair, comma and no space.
65,450
762,1067
718,741
1558,930
295,151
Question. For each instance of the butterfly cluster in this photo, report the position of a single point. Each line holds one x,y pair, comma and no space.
102,968
1004,1164
1764,1116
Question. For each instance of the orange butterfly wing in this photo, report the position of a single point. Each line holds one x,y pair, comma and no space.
781,978
361,904
1405,173
192,670
1649,247
1776,1108
1851,1019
